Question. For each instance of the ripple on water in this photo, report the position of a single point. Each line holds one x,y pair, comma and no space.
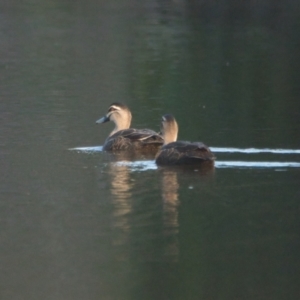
145,165
214,149
254,150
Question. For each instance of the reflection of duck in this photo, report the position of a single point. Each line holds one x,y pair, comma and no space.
180,153
170,213
130,156
125,138
121,186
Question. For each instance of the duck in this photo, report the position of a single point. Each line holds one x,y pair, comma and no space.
125,138
180,153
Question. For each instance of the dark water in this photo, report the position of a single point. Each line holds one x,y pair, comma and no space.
78,224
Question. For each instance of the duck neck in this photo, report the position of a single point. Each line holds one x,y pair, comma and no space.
121,125
170,138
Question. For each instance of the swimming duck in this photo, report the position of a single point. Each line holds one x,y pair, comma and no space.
179,152
125,138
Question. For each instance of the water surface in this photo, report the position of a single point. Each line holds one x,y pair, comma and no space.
84,224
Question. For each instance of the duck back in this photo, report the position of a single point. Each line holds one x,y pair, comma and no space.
184,153
133,139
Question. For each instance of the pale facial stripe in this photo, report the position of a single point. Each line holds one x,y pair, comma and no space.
113,107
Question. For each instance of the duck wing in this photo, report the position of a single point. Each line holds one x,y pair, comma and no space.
133,139
139,135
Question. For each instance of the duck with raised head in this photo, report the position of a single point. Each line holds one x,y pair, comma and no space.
125,138
175,152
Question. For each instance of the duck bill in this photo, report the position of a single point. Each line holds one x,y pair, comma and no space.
102,120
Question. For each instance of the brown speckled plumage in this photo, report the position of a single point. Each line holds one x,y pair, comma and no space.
133,139
181,152
125,138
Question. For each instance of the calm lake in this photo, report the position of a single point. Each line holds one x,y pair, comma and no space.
79,223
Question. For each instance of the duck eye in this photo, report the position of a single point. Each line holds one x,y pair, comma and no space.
112,109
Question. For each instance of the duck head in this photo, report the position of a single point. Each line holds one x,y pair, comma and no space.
169,129
119,114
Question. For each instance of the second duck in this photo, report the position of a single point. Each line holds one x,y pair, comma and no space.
125,138
179,152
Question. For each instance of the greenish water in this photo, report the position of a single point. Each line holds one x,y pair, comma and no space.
82,224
